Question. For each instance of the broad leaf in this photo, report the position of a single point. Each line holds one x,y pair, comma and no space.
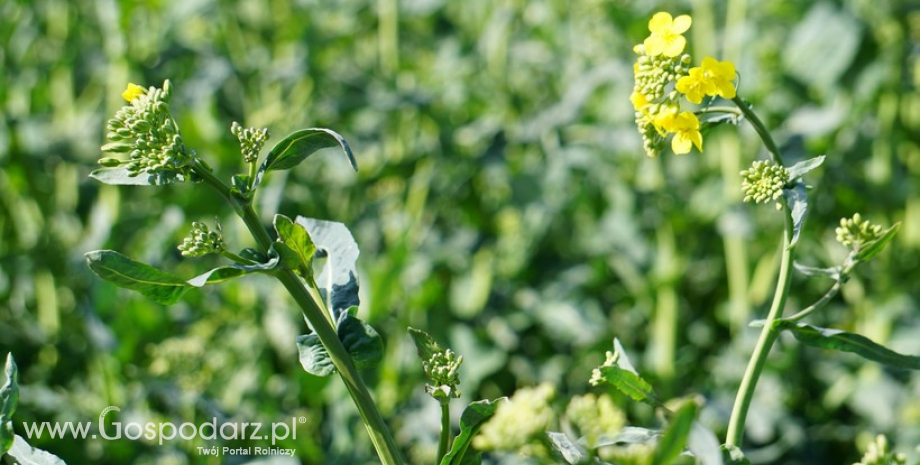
871,249
630,384
360,340
675,436
470,421
623,359
424,344
704,445
363,343
299,145
732,455
338,281
120,177
217,275
25,454
570,451
297,241
833,272
826,338
630,435
313,356
799,169
124,272
9,398
797,199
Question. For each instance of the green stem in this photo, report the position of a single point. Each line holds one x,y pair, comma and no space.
769,333
444,442
373,421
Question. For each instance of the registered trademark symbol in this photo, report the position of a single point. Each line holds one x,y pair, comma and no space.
302,419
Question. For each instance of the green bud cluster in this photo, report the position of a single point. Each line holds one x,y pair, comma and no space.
443,371
597,376
879,453
655,77
520,423
764,182
251,140
654,73
855,231
594,416
202,241
146,131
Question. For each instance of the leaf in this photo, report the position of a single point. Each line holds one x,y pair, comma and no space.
297,241
338,281
9,399
569,450
124,272
120,177
704,445
826,338
622,359
631,384
799,169
871,249
797,199
424,344
675,436
833,272
361,340
299,145
313,356
217,275
629,435
822,46
25,454
470,421
732,455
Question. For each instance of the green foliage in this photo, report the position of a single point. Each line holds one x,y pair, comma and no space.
835,339
9,398
471,420
675,435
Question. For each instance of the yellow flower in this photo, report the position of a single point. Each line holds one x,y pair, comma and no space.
666,38
712,78
638,100
686,129
133,91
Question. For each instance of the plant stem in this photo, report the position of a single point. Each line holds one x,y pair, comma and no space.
769,333
444,442
373,421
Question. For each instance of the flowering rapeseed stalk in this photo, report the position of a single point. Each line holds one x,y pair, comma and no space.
662,75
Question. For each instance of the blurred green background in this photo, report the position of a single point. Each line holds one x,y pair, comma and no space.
503,203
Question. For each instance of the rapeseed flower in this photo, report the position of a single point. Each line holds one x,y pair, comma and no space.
666,38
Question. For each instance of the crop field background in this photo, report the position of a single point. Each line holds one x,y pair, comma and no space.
503,204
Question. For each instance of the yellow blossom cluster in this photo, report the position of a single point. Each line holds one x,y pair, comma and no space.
663,75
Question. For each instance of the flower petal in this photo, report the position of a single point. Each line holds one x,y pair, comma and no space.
661,21
680,144
674,47
681,24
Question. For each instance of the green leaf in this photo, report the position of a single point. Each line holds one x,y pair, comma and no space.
25,454
9,398
826,338
124,272
570,451
299,145
732,455
797,199
361,340
120,177
799,169
297,242
217,275
631,384
313,356
630,435
424,344
833,273
675,436
470,421
704,445
871,249
338,281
